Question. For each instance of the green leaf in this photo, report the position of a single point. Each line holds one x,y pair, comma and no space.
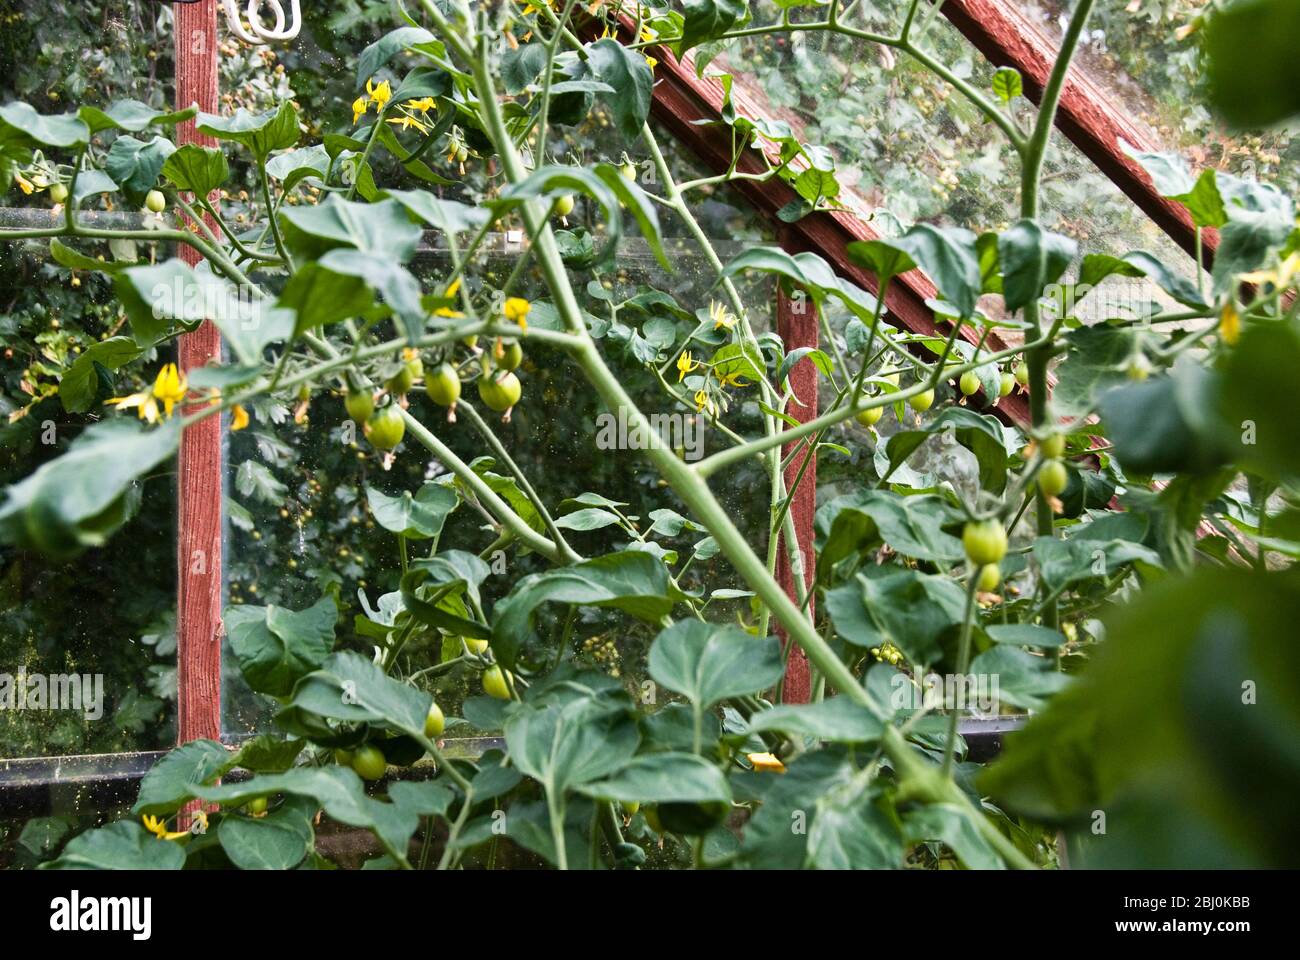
953,826
396,284
319,296
349,687
709,663
416,517
382,50
628,73
1007,84
449,216
294,166
1096,361
911,525
1031,258
1063,562
591,518
979,433
881,257
565,745
124,845
663,778
278,841
1025,635
808,271
948,256
261,133
80,385
276,646
200,170
1254,80
907,608
21,125
135,165
837,719
81,498
1163,425
707,20
90,183
633,581
168,784
382,231
1176,285
131,115
1259,427
852,830
1024,680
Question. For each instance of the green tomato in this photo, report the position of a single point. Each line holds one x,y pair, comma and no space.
343,757
990,576
477,647
369,762
500,393
494,683
985,542
1053,446
360,405
58,193
1139,368
435,722
970,382
155,201
385,428
652,819
512,355
922,401
564,205
471,341
629,171
443,385
1053,478
870,417
414,366
400,383
1006,384
256,807
1021,373
630,807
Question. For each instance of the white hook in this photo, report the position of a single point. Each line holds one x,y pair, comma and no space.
286,28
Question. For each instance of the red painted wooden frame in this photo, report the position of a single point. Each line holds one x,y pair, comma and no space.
201,466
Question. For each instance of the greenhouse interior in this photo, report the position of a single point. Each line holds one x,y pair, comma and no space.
649,435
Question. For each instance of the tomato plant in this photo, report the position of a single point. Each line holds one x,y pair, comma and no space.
947,543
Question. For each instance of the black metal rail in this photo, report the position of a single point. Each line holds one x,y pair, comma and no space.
43,786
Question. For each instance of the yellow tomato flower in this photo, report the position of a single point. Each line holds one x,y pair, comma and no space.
406,122
450,294
516,310
701,400
24,184
721,316
732,379
685,364
359,107
379,93
158,827
238,417
651,62
169,388
766,762
1230,324
424,104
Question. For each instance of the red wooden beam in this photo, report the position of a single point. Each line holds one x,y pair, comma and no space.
796,319
201,465
1086,114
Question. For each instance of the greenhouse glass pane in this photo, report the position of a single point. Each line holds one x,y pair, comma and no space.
912,149
1132,53
107,617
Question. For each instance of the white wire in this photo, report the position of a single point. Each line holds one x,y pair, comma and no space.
254,30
